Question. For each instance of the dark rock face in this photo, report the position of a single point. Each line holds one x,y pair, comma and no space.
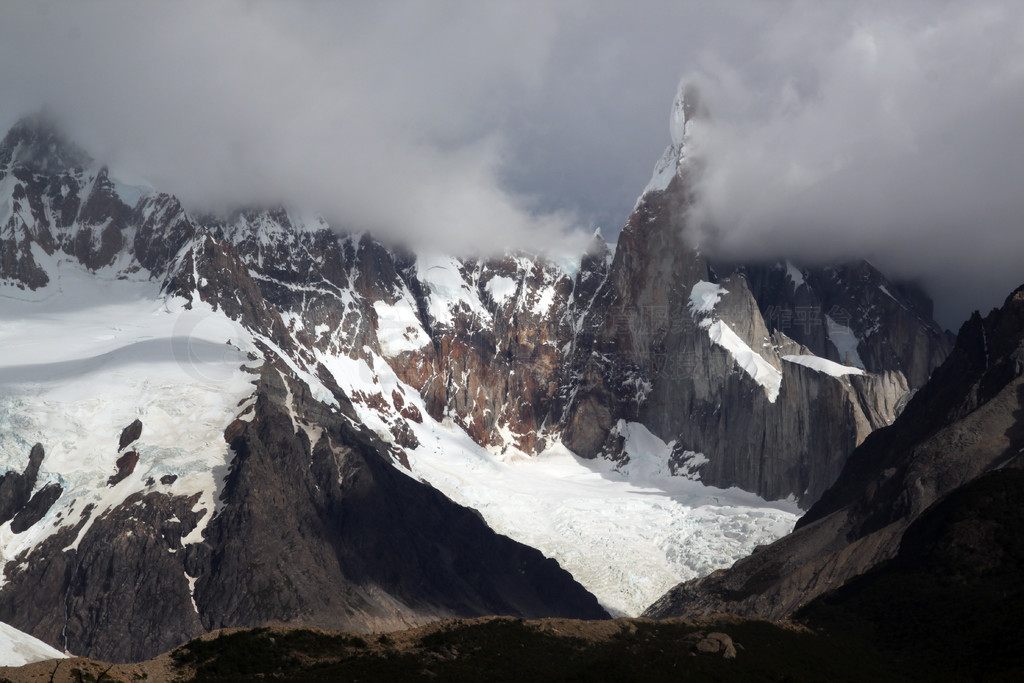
324,533
16,489
129,435
967,420
329,533
125,466
951,598
36,508
115,587
648,356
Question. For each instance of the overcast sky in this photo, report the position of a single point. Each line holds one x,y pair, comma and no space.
893,131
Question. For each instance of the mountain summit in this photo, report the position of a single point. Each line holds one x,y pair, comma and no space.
37,144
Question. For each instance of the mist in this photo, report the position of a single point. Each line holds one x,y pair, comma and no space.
887,131
901,141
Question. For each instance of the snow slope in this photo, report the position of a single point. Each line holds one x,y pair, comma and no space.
18,649
627,536
86,356
823,365
760,370
83,358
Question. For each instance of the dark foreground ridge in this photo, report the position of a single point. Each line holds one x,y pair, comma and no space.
946,608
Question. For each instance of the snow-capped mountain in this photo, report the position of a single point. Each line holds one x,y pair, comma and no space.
228,420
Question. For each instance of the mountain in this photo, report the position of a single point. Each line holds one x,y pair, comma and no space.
771,373
249,418
966,421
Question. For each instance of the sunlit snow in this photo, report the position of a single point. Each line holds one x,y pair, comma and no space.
18,649
83,358
760,370
627,536
823,365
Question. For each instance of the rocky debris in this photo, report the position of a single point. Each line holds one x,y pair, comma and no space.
712,643
130,435
16,489
965,421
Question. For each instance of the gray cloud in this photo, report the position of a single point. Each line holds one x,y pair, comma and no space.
889,130
388,119
898,136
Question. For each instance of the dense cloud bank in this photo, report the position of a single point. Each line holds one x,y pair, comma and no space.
878,129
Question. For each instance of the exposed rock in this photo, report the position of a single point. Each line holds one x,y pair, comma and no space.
329,533
646,355
517,350
130,435
37,507
125,466
714,643
968,419
16,489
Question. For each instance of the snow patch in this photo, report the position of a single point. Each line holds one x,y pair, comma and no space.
704,297
795,275
398,327
18,648
762,372
845,341
447,291
501,289
823,365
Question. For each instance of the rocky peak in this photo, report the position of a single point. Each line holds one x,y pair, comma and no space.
688,109
37,144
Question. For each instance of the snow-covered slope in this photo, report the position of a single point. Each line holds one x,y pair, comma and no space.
86,356
18,649
627,532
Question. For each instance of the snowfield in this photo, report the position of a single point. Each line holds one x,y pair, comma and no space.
627,535
89,354
18,649
83,358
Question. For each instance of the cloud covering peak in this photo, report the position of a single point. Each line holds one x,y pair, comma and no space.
838,131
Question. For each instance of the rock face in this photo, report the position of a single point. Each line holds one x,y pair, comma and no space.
703,353
323,532
965,421
315,520
16,488
130,435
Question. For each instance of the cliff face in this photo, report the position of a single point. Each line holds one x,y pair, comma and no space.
965,421
726,359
